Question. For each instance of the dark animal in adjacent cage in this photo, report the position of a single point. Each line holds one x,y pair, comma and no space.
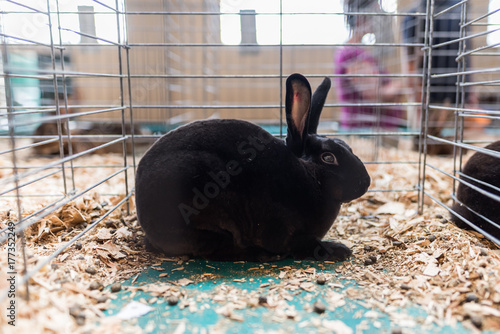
228,190
85,136
483,171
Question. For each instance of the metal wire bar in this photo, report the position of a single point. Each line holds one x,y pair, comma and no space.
470,185
207,13
9,102
59,162
61,197
486,47
427,67
115,10
19,148
271,76
444,11
480,83
22,185
24,40
32,9
483,150
453,74
68,74
205,45
67,116
476,228
479,18
122,102
53,255
392,190
275,106
468,177
76,166
465,38
24,223
93,37
464,110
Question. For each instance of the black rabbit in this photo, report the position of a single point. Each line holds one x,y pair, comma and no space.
229,190
485,168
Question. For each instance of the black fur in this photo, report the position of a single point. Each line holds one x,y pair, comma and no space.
485,168
229,190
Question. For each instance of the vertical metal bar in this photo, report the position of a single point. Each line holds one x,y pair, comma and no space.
425,60
281,68
425,112
122,101
129,87
204,60
65,94
56,99
15,170
460,95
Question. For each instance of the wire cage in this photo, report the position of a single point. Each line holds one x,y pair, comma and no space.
86,87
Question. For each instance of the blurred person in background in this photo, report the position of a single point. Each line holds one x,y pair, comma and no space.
443,90
361,79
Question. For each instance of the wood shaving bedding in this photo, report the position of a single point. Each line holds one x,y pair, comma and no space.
400,258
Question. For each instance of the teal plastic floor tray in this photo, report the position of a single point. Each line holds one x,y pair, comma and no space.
199,296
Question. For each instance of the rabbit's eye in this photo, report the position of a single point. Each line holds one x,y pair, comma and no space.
329,158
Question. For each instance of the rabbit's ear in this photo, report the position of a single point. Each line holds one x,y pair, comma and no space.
297,107
318,101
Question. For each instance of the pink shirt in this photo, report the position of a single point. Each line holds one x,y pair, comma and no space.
360,116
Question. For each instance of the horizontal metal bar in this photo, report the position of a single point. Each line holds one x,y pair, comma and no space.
475,227
272,106
54,254
48,141
267,76
479,18
481,182
67,74
390,162
391,190
61,197
25,40
94,37
64,136
42,108
469,37
59,162
27,112
479,83
486,54
452,74
115,10
67,116
479,116
485,47
269,45
26,76
468,184
32,9
22,185
53,195
23,223
74,106
74,166
473,148
198,13
469,110
444,11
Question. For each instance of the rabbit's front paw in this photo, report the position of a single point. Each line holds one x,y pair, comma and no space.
316,250
331,251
